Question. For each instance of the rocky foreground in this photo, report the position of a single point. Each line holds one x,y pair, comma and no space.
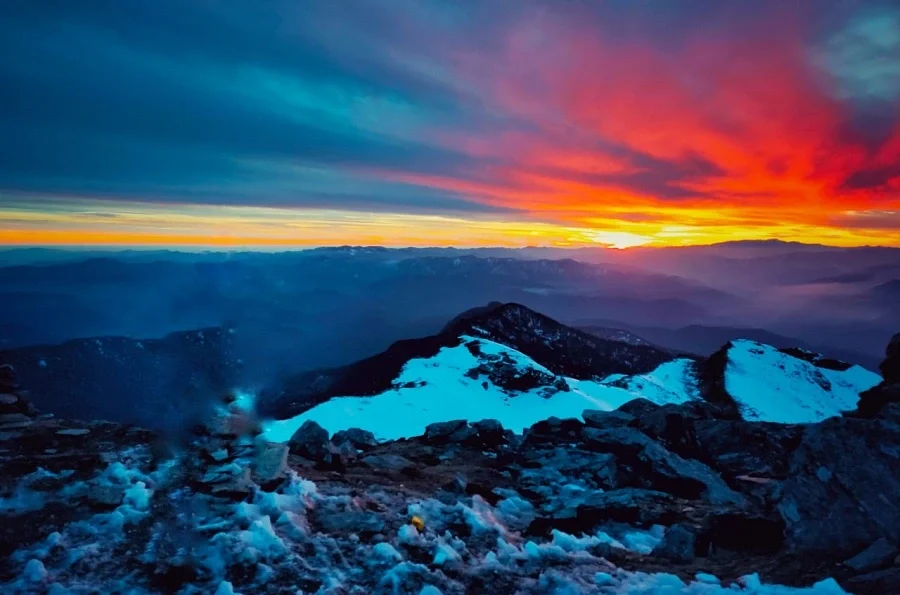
644,499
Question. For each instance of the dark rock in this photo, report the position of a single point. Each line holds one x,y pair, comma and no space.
878,555
657,468
873,401
638,407
674,426
842,492
310,441
594,418
686,478
737,448
876,583
236,487
349,521
361,439
553,429
623,441
73,432
270,461
628,505
678,544
339,457
490,433
441,432
388,462
743,531
890,367
10,421
711,374
105,496
7,378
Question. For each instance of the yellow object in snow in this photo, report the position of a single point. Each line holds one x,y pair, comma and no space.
418,523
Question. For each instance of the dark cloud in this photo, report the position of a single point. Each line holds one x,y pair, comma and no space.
324,103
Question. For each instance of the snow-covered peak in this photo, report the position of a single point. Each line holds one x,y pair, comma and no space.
482,379
478,378
770,385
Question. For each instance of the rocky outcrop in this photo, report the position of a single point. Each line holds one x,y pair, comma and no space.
16,410
890,367
842,490
873,401
310,441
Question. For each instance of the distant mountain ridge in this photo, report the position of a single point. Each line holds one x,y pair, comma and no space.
703,341
157,383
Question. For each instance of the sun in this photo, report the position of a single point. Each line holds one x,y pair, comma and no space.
620,239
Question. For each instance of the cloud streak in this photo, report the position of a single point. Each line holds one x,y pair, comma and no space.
676,122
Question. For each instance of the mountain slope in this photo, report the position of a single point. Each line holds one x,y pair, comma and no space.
560,349
478,379
518,367
157,383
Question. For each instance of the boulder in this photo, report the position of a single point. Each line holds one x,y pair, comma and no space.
626,505
359,439
842,491
345,522
873,401
675,425
890,367
338,457
623,441
236,487
685,478
878,555
105,496
9,421
678,544
554,429
449,431
877,582
638,407
310,441
737,448
490,433
652,466
270,461
388,462
595,418
7,378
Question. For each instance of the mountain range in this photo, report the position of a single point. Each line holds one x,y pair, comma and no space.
507,453
328,307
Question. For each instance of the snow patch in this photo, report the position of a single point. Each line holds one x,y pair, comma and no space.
439,389
769,385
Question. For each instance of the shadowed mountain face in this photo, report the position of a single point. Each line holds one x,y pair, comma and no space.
157,383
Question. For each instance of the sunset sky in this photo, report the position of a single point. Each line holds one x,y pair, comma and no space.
427,122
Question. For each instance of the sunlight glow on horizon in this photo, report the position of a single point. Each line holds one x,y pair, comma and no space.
89,222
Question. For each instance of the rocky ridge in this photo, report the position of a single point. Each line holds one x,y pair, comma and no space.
640,498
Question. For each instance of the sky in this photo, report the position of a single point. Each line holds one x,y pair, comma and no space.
433,122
